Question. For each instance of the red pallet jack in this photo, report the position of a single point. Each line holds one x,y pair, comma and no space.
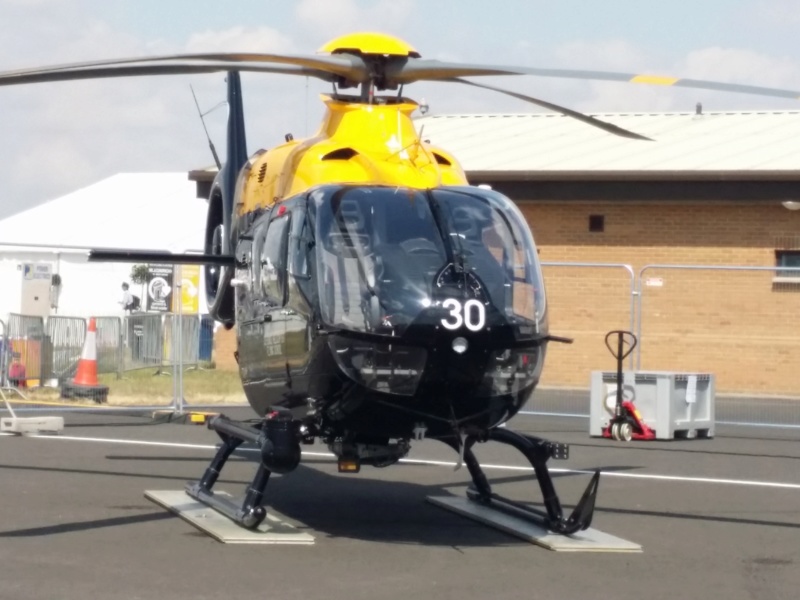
627,423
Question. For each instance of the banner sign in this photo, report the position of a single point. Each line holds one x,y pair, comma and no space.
159,288
33,271
190,290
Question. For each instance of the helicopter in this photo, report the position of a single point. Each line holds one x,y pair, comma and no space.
378,297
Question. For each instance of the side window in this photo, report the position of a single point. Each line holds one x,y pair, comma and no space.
300,243
244,261
273,260
259,237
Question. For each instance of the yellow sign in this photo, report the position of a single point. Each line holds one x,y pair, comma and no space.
189,278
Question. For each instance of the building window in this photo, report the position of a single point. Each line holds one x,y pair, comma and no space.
597,223
787,258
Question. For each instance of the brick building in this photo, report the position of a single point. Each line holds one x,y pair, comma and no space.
710,190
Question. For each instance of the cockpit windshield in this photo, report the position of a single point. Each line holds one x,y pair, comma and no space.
387,256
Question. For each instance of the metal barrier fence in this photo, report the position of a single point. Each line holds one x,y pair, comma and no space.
62,346
144,342
740,323
109,345
47,352
36,352
205,347
607,301
25,338
4,355
187,340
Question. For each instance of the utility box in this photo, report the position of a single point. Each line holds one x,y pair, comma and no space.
675,405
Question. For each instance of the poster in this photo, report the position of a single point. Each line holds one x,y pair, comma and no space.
159,287
189,290
36,282
34,271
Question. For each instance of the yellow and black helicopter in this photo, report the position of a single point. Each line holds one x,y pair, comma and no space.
378,297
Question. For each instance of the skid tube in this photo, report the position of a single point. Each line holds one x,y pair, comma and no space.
538,452
276,436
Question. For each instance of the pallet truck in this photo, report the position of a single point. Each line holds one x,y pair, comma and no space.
627,423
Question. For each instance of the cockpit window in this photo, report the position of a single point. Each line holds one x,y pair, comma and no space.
491,234
390,257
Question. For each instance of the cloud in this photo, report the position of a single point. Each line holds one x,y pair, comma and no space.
333,17
67,135
775,13
80,132
610,55
741,66
8,4
729,65
256,39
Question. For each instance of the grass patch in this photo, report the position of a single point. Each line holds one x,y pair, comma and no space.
148,386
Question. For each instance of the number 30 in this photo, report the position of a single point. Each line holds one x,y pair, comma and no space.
472,314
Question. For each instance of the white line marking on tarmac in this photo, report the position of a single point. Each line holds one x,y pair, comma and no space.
443,463
70,438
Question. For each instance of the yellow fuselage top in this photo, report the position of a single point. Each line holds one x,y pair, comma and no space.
357,143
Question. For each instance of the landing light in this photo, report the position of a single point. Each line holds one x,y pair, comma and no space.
460,345
349,465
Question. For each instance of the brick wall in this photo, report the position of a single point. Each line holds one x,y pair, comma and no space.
739,325
224,347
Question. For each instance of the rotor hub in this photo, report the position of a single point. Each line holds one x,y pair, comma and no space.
370,44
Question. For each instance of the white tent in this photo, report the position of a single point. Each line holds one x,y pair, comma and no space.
140,211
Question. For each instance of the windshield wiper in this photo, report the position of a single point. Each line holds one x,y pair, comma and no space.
459,257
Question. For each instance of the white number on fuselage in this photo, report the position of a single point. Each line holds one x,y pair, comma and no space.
471,314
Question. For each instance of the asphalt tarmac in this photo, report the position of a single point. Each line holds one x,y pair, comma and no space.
717,518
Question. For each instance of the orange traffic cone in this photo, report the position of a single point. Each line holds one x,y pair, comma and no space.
85,384
87,365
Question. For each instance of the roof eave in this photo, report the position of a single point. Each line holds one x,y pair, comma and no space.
490,176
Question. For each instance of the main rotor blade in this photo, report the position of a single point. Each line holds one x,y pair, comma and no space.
129,70
419,69
349,67
355,69
608,127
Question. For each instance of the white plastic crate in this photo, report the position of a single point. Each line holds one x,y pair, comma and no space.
675,405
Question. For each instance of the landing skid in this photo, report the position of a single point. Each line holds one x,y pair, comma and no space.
274,530
549,527
278,437
588,540
538,452
280,453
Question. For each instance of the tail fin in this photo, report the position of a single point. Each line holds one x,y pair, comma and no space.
220,219
236,152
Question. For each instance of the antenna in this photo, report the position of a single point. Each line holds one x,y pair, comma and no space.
208,137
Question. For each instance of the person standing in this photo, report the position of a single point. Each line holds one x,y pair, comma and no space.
127,298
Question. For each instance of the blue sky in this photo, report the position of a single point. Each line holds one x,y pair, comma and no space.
60,137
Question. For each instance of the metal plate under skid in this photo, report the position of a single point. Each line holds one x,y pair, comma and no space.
272,531
589,540
32,425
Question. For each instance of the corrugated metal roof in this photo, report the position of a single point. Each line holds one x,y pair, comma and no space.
686,142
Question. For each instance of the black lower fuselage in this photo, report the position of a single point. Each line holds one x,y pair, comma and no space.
367,312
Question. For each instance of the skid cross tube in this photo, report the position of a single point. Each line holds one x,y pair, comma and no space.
538,452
